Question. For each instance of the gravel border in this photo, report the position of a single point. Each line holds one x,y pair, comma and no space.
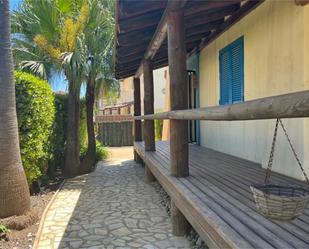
194,238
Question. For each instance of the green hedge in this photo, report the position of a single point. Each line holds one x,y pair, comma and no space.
36,116
59,133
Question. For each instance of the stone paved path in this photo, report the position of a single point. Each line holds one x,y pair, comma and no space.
109,208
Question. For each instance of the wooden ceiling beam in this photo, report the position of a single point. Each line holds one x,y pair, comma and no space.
196,7
211,16
161,33
200,29
130,43
131,9
134,51
243,11
145,36
140,22
145,33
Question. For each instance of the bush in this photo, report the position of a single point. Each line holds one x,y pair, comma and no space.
35,114
59,132
158,126
101,152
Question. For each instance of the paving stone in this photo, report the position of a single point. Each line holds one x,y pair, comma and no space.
111,208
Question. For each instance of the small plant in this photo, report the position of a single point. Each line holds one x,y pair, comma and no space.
4,229
4,232
101,152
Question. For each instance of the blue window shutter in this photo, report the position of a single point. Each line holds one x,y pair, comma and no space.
231,60
237,72
225,78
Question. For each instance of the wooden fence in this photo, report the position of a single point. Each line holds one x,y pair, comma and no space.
116,134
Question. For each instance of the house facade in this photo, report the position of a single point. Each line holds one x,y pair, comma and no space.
264,54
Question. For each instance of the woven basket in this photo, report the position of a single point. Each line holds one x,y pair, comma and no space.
280,202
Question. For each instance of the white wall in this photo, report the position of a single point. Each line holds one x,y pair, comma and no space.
276,37
159,85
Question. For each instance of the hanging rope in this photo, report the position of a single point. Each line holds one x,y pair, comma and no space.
272,151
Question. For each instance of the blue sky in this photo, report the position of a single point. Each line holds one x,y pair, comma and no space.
58,81
14,3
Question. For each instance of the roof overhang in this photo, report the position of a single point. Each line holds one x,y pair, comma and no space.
141,28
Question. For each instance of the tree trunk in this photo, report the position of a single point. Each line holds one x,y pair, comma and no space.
88,162
14,191
72,161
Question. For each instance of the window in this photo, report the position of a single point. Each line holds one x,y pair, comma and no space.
231,60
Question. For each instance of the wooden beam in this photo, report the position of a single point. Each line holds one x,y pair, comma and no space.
124,51
160,33
149,134
180,225
292,105
201,6
201,29
178,92
131,9
243,11
140,22
143,34
137,124
137,110
210,16
149,177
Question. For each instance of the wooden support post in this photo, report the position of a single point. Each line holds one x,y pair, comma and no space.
149,177
149,135
137,111
178,92
180,225
110,111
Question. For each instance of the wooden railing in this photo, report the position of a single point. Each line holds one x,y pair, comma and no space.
292,105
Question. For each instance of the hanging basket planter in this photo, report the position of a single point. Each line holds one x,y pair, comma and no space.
280,202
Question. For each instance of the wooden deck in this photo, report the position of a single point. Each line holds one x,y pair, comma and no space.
218,203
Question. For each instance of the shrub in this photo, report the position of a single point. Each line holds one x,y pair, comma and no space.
158,127
101,152
59,132
35,114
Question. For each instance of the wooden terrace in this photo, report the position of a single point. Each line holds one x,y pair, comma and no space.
217,201
208,189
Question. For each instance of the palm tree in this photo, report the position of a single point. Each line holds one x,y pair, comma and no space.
14,192
48,35
98,72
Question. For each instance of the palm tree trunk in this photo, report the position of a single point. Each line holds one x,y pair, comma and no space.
89,160
72,161
14,191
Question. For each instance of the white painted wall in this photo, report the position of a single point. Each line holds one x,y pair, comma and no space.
276,51
159,89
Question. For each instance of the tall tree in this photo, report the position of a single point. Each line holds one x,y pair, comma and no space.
53,28
99,36
14,192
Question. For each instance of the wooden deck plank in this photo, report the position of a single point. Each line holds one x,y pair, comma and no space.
204,220
217,201
297,227
260,224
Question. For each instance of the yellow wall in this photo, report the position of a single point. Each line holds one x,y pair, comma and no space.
276,53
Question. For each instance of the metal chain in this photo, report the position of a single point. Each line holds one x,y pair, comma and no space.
294,152
271,156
